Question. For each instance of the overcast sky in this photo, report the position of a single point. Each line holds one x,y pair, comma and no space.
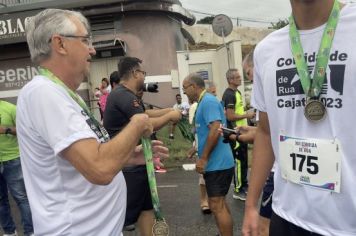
248,11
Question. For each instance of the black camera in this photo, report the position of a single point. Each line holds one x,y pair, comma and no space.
150,87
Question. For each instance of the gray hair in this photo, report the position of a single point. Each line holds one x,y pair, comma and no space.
248,60
195,78
209,84
230,72
41,27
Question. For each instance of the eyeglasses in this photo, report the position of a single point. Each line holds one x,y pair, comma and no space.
86,39
142,71
186,87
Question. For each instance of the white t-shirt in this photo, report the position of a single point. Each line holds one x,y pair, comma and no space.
62,201
277,91
183,107
192,110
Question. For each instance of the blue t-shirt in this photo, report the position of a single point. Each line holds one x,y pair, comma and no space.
208,111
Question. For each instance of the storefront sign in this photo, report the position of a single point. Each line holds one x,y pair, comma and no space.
14,74
12,27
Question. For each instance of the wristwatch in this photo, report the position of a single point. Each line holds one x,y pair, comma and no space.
8,130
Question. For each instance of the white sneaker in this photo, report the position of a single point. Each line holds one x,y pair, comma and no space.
241,195
13,234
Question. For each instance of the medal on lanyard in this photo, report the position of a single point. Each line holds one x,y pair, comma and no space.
160,227
49,75
314,109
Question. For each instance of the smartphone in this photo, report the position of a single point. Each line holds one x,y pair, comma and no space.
228,130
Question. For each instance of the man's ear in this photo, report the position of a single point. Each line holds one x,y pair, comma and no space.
58,45
134,72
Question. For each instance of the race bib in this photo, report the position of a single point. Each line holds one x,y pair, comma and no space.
311,162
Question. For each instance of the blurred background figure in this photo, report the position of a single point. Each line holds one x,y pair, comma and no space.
11,178
114,79
183,107
210,87
97,95
105,89
237,116
247,65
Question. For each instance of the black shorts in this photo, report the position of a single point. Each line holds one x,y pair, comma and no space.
138,193
266,201
218,182
281,227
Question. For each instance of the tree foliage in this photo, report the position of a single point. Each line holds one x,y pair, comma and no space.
279,24
206,20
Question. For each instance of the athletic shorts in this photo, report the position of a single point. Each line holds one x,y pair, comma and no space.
138,193
282,227
218,182
266,201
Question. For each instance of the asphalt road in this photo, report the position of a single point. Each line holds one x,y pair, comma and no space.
179,196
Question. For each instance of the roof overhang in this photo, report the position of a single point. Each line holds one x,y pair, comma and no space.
90,7
12,19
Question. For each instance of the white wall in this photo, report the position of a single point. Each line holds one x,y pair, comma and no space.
219,64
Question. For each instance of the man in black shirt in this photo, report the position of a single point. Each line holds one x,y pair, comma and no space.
122,104
236,116
114,79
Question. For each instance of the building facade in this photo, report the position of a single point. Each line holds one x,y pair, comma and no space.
147,29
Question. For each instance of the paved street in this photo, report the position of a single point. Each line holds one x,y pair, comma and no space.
179,195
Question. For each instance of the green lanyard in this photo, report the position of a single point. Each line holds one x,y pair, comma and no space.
49,75
199,100
147,150
313,88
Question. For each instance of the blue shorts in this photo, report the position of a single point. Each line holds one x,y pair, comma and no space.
266,202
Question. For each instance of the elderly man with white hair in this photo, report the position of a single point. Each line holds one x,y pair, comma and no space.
72,169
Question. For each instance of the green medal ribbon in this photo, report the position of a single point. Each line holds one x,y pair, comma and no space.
312,89
160,227
147,151
199,100
49,75
187,129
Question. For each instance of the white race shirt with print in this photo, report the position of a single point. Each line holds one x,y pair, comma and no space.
277,90
62,201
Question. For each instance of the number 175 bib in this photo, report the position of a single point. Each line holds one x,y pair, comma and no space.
311,162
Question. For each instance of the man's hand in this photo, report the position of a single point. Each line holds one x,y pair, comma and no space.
250,222
200,165
191,152
227,135
175,116
7,130
246,133
158,150
143,123
250,114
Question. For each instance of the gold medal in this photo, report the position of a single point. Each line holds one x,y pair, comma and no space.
314,110
160,228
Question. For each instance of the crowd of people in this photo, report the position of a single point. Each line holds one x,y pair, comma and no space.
71,174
